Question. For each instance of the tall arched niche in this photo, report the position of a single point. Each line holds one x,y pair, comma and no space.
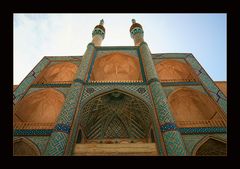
175,71
116,67
25,147
115,115
59,72
191,105
41,106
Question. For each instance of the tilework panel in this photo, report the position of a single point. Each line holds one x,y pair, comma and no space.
161,103
71,141
203,130
65,58
168,127
32,132
170,55
128,51
132,89
158,60
191,140
85,61
51,85
157,137
62,128
56,144
179,83
174,146
147,62
70,104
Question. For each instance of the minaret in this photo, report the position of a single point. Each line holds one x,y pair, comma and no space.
136,31
98,34
172,143
62,138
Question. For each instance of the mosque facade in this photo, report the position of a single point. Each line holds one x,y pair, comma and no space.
120,100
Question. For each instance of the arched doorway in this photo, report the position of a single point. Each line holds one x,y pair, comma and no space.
25,147
116,67
172,70
116,123
42,106
57,73
191,107
211,146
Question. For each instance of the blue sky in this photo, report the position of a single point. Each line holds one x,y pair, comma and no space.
39,35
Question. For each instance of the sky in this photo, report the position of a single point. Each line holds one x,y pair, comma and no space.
39,35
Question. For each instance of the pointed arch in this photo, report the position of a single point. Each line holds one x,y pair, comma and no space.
175,70
42,106
116,66
114,110
59,72
192,105
25,147
210,146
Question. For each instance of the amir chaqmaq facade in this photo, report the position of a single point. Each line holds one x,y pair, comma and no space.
120,100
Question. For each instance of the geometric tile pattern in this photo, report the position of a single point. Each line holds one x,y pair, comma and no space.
177,56
83,68
203,130
62,128
56,144
152,80
179,83
65,58
168,127
214,91
161,103
125,50
98,89
51,85
157,137
32,132
147,61
174,144
70,104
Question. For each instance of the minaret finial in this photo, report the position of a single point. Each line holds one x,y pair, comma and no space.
133,21
101,22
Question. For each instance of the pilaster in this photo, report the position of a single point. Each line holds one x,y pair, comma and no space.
173,143
59,138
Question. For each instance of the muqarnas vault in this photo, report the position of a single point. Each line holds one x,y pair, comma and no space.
120,100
